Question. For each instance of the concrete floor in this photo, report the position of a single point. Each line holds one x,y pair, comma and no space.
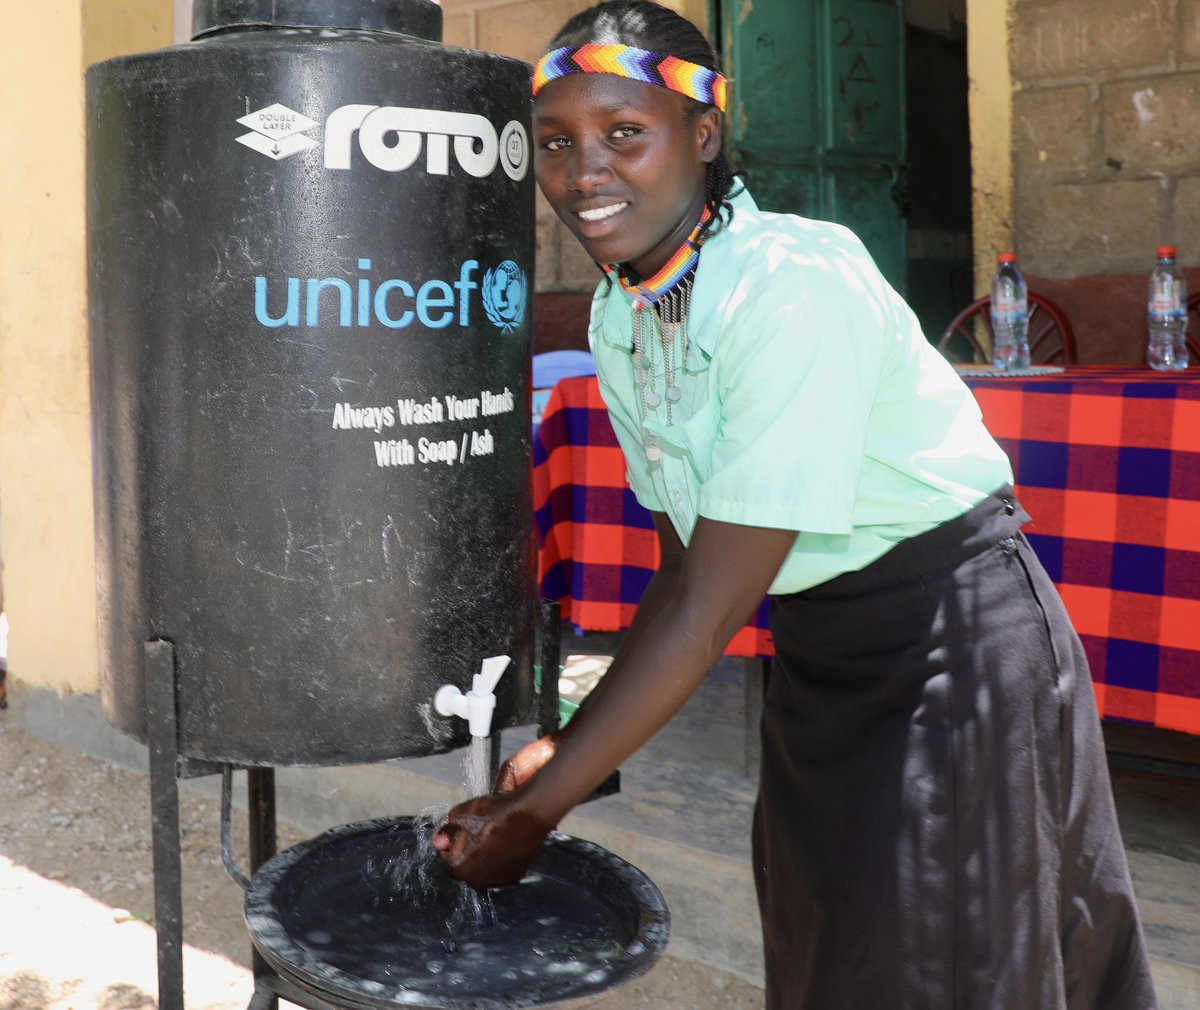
683,814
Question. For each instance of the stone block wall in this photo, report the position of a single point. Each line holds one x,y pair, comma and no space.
1106,149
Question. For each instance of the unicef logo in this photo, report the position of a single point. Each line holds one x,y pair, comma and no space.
504,294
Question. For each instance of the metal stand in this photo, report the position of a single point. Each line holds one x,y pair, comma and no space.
260,801
550,634
260,798
755,676
162,729
167,767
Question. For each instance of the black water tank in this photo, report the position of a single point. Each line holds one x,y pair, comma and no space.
310,251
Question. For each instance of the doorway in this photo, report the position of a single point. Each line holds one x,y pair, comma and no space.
855,111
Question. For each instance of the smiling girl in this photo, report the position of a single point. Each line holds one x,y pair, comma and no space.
935,826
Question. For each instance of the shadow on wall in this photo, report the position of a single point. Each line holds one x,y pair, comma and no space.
3,650
1107,313
560,322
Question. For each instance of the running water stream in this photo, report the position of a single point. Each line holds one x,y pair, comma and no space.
475,766
419,875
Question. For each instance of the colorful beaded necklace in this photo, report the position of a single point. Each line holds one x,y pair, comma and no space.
652,290
669,293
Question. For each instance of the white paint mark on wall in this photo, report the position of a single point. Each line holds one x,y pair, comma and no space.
1146,103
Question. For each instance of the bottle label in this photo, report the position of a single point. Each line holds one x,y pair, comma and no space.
1166,295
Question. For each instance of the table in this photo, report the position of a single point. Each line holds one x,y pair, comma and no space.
1107,461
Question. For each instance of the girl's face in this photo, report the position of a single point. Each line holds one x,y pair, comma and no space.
623,165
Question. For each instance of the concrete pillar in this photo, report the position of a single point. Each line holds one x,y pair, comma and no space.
46,532
990,99
183,20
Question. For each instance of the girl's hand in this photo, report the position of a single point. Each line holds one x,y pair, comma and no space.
491,840
527,762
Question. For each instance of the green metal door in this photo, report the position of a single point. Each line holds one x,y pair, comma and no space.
817,117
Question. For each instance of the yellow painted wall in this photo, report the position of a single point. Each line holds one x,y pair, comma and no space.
131,26
46,534
990,70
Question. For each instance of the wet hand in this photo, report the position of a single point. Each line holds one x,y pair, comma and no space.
490,841
526,763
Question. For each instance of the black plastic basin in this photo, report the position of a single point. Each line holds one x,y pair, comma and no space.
364,916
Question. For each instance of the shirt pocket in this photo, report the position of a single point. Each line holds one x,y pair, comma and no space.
692,439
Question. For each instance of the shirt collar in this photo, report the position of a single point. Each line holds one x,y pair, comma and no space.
703,318
708,292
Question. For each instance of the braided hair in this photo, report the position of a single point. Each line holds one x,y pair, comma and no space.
648,25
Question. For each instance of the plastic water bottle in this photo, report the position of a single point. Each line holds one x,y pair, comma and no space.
1166,314
1010,315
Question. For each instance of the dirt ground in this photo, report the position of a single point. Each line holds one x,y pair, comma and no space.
76,897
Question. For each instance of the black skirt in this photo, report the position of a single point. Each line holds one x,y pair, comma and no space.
935,827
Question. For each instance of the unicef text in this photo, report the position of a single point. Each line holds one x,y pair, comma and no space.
396,303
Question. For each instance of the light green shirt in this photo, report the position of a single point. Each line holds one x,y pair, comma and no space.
811,401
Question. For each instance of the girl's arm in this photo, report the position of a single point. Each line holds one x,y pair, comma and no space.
721,578
528,761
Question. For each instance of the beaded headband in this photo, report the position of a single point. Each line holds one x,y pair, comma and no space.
690,79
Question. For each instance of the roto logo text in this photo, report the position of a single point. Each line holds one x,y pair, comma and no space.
391,138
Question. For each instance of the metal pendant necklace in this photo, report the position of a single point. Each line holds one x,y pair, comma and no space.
670,321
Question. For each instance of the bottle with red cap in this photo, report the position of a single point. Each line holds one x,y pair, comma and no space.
1010,315
1166,314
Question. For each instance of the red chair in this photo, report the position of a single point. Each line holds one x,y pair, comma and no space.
1051,339
1193,328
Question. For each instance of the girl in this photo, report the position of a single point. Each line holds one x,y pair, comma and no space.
935,827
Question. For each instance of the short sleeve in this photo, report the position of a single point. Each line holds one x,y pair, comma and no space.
797,376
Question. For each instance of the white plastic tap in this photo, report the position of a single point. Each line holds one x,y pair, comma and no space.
478,704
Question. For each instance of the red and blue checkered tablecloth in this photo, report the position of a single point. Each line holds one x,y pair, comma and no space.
1107,462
